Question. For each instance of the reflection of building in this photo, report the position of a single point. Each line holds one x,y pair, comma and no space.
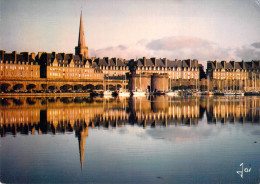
67,114
233,110
53,115
163,112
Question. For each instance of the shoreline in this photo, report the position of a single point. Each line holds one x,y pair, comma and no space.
44,94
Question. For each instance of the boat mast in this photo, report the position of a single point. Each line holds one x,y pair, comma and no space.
170,84
140,79
125,82
104,83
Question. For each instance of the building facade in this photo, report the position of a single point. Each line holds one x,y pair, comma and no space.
112,66
67,67
18,66
233,70
176,69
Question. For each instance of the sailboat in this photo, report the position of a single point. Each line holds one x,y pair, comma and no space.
172,93
139,92
106,93
123,92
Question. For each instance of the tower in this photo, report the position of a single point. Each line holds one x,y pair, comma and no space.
81,49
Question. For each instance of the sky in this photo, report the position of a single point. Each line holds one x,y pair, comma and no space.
130,29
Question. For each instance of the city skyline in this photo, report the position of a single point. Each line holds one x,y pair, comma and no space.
180,29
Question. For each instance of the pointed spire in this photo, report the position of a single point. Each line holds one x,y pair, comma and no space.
81,49
82,139
81,42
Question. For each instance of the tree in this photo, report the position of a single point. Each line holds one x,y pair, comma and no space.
78,87
44,86
18,86
30,86
66,87
5,86
52,88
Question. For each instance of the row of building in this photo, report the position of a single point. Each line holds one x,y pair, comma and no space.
76,67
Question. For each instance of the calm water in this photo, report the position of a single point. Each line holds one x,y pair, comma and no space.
139,140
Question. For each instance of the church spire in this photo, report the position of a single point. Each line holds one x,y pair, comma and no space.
81,49
81,41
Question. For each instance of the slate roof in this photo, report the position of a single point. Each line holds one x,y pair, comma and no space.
23,57
154,62
255,65
109,62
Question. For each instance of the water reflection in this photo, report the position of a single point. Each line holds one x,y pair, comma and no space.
166,119
52,115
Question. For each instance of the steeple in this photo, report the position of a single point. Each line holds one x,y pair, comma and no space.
81,49
81,33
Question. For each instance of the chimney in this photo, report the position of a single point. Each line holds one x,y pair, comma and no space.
232,63
39,55
196,63
54,54
144,60
2,53
154,61
253,65
33,56
165,62
224,64
15,56
26,55
63,55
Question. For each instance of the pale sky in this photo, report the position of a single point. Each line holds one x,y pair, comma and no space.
175,29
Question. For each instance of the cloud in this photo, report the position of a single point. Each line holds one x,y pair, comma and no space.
248,52
256,44
182,47
177,43
122,51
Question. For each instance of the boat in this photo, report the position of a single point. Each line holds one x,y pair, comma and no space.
227,93
198,93
123,93
173,93
107,93
240,93
138,92
210,93
158,93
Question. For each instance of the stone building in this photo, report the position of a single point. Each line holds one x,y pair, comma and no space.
234,75
63,66
149,82
233,70
112,66
18,66
176,69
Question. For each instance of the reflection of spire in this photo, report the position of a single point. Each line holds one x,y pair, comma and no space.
83,133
